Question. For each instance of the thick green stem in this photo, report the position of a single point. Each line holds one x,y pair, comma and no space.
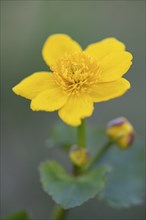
59,213
81,135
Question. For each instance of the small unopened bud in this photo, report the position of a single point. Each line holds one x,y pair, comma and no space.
79,156
121,132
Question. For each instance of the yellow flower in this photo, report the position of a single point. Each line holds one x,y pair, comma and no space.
78,78
121,132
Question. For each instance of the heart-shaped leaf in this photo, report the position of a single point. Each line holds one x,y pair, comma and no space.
70,191
125,185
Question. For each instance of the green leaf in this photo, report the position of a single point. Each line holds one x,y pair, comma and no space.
62,135
70,191
21,215
125,184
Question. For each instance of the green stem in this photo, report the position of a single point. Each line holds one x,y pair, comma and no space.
99,154
59,213
81,135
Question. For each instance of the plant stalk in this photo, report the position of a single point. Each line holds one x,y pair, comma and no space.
81,135
98,154
59,213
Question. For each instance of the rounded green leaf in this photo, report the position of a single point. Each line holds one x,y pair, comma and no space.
125,186
126,182
70,191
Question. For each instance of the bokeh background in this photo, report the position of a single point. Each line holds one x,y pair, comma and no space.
25,25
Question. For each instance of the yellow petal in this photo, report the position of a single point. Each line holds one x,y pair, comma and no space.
109,90
114,66
34,84
49,100
58,45
76,108
102,48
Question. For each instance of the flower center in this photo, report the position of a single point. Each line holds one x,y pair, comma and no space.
76,72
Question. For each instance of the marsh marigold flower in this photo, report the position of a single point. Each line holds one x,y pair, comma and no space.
78,78
121,131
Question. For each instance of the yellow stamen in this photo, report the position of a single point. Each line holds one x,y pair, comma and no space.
76,73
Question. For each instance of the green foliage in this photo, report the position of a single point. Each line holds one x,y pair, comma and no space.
64,136
21,215
125,184
70,191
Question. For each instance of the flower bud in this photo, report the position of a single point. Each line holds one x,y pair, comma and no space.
121,132
79,156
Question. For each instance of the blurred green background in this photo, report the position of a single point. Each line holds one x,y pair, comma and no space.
25,25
